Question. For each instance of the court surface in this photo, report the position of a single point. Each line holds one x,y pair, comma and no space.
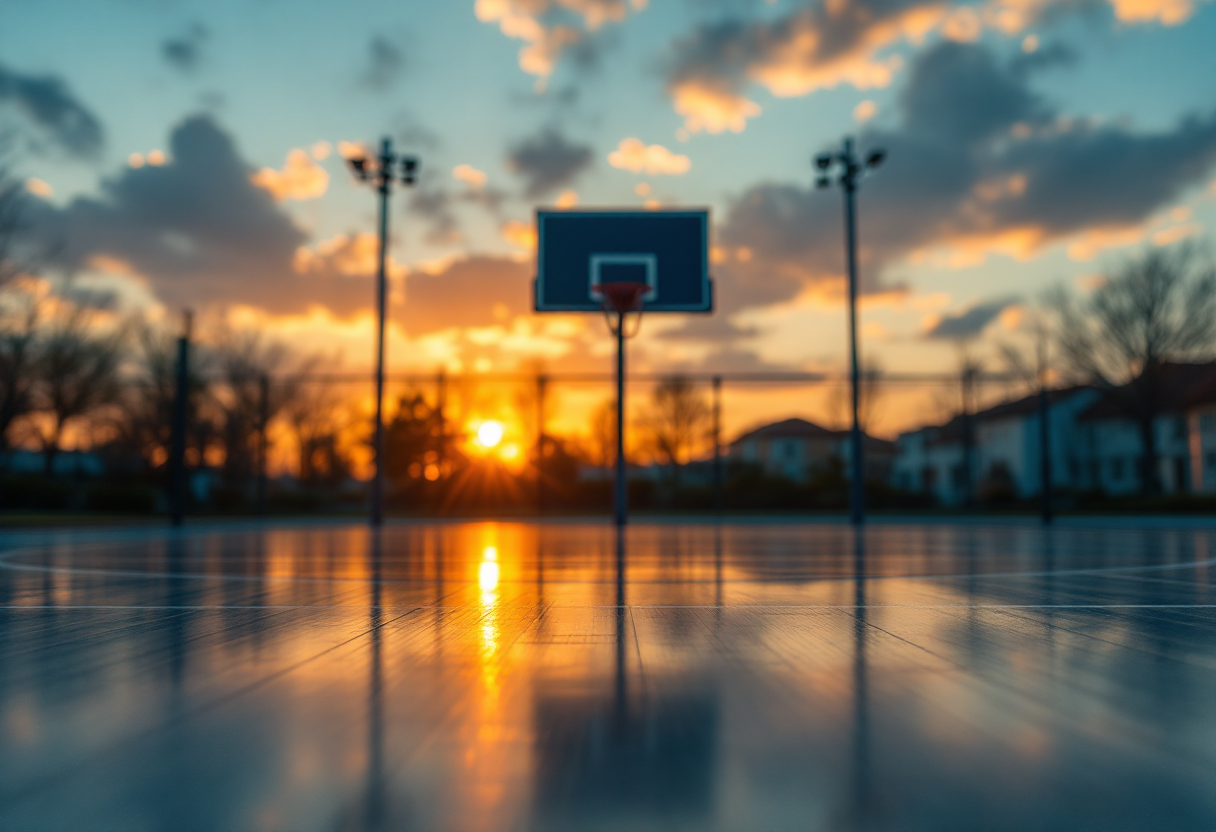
488,676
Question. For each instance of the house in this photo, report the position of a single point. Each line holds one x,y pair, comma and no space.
1113,448
796,449
1006,456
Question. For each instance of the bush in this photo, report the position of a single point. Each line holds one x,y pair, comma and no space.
34,491
121,498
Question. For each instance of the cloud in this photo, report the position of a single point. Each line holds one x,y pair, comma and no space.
653,160
50,107
548,161
301,178
39,188
865,111
978,164
385,64
550,27
443,298
469,175
350,255
816,46
968,323
185,53
198,232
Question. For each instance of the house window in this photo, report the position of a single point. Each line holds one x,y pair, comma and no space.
1210,460
791,450
1095,471
958,476
1074,470
1116,468
1180,427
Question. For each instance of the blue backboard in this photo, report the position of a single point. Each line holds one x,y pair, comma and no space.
668,250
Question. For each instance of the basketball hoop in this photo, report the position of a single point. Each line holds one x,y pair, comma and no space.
618,300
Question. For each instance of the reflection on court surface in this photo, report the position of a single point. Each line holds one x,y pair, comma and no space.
488,676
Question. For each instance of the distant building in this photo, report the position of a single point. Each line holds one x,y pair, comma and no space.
1095,440
1006,453
796,449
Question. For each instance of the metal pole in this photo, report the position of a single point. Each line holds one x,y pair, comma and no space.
541,382
181,409
385,180
263,418
857,484
621,492
968,450
1044,439
717,395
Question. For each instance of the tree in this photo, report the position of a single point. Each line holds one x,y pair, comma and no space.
869,398
14,243
148,406
77,374
1155,308
676,421
603,434
314,417
18,360
257,387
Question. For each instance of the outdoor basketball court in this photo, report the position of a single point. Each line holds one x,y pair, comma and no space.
517,676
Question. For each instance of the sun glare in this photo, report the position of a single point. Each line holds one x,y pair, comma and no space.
489,434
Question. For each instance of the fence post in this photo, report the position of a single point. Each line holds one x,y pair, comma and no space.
263,418
441,398
541,383
181,408
717,396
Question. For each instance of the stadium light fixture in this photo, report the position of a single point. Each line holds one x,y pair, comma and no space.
381,172
851,169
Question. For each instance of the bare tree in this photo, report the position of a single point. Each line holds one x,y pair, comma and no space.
603,434
14,242
77,374
1155,308
259,383
148,406
675,422
869,398
18,361
316,421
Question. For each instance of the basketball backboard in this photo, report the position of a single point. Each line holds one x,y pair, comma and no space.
667,250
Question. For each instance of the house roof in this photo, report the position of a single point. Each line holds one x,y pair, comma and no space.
802,429
952,431
789,429
1180,385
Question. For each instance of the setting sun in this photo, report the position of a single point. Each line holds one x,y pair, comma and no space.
489,434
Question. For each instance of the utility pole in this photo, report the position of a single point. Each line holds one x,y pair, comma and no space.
1044,434
717,397
542,382
181,413
380,173
850,168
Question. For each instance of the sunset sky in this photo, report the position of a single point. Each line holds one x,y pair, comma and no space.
188,154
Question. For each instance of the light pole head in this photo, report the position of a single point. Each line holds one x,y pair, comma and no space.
823,161
823,182
409,170
358,166
875,158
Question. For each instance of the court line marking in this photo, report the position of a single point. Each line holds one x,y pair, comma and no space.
734,606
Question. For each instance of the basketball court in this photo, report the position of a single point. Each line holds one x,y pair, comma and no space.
555,676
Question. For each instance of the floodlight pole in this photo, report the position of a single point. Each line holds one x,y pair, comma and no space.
381,177
621,491
851,167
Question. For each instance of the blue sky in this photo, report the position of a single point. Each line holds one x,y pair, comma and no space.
1022,134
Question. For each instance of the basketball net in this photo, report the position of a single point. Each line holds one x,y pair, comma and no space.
619,301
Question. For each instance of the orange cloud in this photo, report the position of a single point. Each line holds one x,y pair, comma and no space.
39,188
1165,12
710,108
355,256
654,160
301,178
469,175
519,234
544,44
1087,245
865,111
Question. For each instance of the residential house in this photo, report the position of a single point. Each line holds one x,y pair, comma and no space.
796,449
